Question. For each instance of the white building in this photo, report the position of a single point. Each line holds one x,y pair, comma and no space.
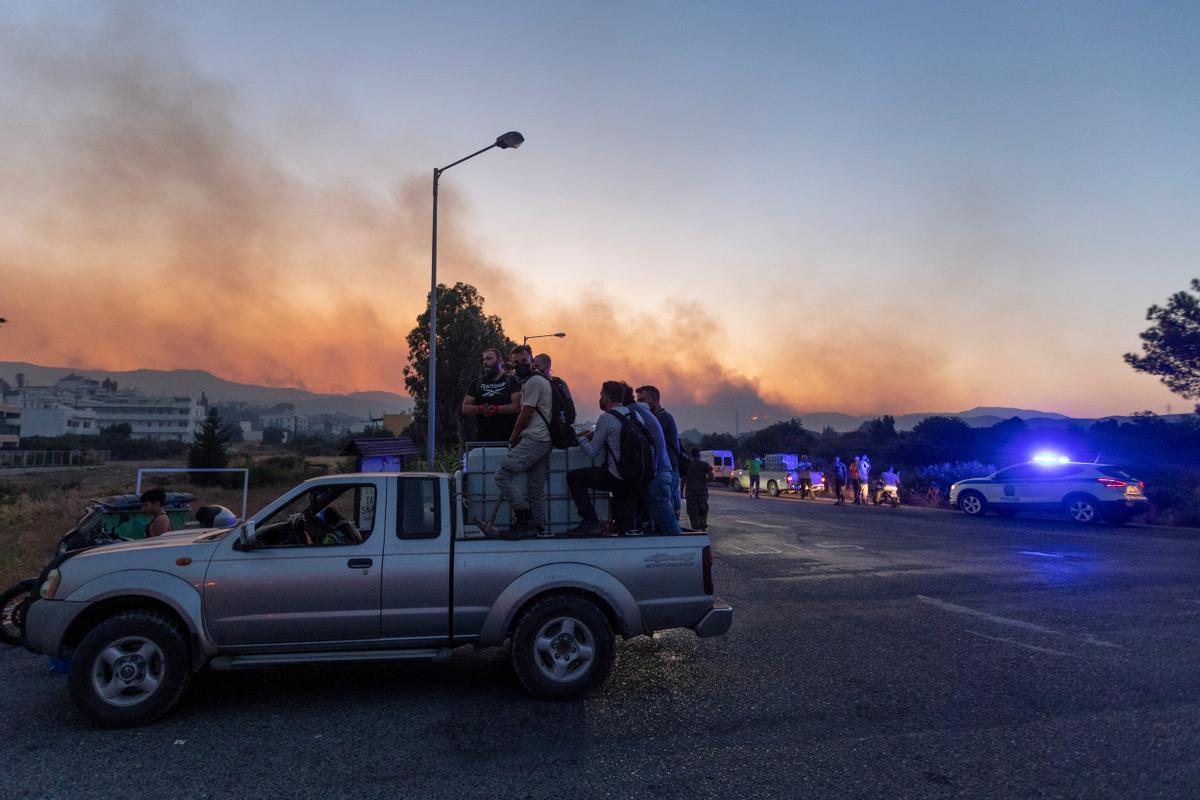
10,426
85,406
160,418
292,423
46,418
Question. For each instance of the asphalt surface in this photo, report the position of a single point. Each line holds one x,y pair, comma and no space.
891,653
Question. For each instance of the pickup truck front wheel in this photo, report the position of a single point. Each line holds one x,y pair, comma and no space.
130,669
563,647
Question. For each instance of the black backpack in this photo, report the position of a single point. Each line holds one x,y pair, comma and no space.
562,415
638,459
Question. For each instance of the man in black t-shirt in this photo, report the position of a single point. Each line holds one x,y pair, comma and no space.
494,400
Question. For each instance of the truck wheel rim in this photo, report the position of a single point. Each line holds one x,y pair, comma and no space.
564,649
970,504
128,671
1082,511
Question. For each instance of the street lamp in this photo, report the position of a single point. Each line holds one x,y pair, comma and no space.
511,140
560,335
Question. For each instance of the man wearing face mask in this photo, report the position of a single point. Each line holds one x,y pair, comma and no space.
494,400
529,452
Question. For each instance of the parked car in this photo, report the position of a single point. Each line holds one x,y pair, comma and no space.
1085,492
353,568
778,475
722,463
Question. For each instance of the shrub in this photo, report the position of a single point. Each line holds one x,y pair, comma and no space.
930,485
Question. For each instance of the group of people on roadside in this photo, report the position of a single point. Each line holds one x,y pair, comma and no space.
857,476
642,462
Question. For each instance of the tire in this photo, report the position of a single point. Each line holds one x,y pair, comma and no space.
973,504
735,484
549,644
13,604
773,488
1082,509
148,645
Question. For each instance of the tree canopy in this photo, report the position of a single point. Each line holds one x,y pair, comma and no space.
1171,346
465,330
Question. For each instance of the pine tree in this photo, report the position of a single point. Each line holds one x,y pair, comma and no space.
209,450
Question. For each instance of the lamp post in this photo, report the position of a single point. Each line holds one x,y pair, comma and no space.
560,335
510,140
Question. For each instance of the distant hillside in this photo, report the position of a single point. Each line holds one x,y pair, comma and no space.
194,381
979,417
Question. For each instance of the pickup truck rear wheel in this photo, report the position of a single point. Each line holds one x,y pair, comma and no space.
773,488
130,669
563,647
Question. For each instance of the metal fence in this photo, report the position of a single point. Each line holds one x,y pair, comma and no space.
49,459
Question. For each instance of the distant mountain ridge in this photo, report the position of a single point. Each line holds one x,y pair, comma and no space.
194,381
978,417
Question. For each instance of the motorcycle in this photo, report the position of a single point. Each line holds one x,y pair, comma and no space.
887,494
97,527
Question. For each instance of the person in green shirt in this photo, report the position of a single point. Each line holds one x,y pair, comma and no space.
753,468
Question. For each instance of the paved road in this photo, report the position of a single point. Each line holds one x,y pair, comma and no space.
875,653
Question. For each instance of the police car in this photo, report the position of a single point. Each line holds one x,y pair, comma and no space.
1086,492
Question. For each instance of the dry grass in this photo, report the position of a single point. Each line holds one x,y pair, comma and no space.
36,509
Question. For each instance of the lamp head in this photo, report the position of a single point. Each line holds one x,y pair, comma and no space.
512,139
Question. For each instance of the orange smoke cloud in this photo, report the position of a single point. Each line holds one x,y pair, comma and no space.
149,229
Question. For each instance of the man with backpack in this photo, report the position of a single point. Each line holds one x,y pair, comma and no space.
529,449
652,398
622,443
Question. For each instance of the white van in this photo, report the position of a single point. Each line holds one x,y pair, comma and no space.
722,463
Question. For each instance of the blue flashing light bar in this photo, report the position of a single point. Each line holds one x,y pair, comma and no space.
1050,458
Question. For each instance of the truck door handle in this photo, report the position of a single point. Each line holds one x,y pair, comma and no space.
359,563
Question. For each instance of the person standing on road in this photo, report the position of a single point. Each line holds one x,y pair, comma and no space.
864,477
839,473
695,487
804,476
855,485
529,449
754,470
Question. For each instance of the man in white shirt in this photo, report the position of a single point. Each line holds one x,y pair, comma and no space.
529,450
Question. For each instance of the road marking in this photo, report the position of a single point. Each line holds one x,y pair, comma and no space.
836,546
1022,644
762,524
957,609
1036,553
1086,638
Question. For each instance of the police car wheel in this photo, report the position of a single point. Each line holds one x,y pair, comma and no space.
972,504
1082,509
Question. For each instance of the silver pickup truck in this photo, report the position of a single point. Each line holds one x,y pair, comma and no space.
349,568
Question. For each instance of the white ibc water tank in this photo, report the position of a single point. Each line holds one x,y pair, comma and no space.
482,494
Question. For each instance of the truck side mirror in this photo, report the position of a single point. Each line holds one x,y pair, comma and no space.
245,538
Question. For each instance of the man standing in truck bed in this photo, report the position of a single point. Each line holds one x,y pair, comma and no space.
530,449
494,400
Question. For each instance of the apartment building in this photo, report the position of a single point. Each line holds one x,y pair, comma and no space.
10,425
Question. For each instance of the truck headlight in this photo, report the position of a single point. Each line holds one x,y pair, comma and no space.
50,585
